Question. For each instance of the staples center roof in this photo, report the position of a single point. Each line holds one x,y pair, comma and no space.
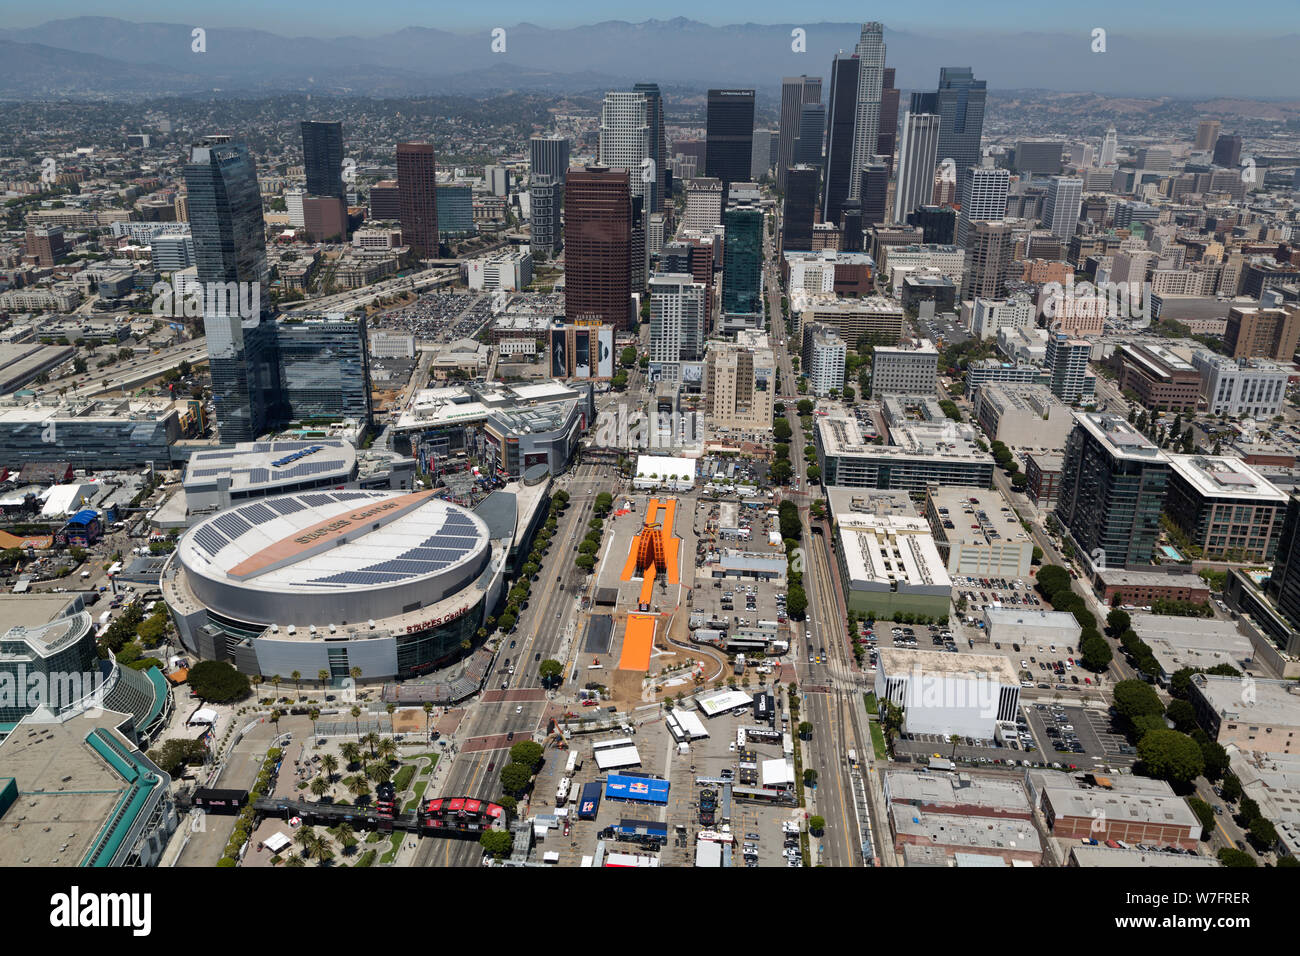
327,541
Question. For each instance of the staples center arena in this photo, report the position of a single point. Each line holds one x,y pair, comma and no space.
388,582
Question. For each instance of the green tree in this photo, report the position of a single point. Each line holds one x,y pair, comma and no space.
515,777
528,753
805,730
1118,621
1096,652
218,682
1263,833
1171,756
1134,698
496,843
1182,714
809,777
1204,813
782,430
549,671
1230,856
796,603
816,825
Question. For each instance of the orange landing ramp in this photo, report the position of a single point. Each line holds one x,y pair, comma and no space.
654,542
648,584
638,641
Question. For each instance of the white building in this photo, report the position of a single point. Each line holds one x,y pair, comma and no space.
654,471
1061,206
946,694
978,534
677,333
293,204
1024,345
703,204
827,353
391,345
985,317
626,136
897,262
1241,388
1023,416
889,564
503,271
983,196
917,159
905,371
1031,628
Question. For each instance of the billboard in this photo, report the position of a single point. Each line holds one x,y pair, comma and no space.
582,353
605,352
559,355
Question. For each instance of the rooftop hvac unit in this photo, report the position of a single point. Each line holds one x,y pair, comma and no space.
313,630
275,628
333,628
371,624
292,629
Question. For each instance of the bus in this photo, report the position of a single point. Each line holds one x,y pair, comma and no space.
763,795
562,792
575,763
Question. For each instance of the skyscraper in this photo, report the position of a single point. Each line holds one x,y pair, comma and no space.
1109,149
625,139
917,159
417,182
887,141
230,247
812,131
658,144
549,156
1227,151
982,194
729,136
873,191
870,52
742,266
322,159
841,115
990,259
598,246
1207,131
1061,206
760,163
1113,487
796,92
959,102
324,367
1067,360
800,208
544,215
677,330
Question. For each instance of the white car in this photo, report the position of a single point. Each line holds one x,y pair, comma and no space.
519,709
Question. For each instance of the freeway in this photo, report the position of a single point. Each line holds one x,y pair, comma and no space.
127,375
356,298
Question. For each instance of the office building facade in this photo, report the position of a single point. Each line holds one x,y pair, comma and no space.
322,159
548,156
598,246
841,117
742,267
982,194
418,190
1061,206
870,53
324,367
729,143
917,159
800,208
796,92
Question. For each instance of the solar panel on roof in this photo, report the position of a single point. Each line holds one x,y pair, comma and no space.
231,524
286,506
258,476
210,540
317,500
258,513
359,577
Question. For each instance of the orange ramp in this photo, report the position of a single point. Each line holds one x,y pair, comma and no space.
648,584
638,641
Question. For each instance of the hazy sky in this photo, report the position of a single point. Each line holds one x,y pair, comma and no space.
345,17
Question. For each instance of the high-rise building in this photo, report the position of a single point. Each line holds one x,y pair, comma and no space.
1207,132
1262,333
870,52
386,200
938,224
703,208
46,244
497,180
873,193
1040,157
625,139
800,208
417,180
823,358
905,370
549,156
1061,206
739,386
742,268
325,218
1109,149
990,249
959,101
544,193
230,247
887,141
760,162
812,130
1067,361
1284,582
729,136
917,159
677,316
659,191
841,116
982,194
598,246
322,159
1227,151
324,367
796,92
455,204
1113,487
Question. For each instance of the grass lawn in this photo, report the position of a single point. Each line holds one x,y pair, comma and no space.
391,855
419,792
878,741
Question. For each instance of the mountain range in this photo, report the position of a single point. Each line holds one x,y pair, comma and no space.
105,57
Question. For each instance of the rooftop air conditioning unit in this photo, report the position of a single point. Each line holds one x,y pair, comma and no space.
292,629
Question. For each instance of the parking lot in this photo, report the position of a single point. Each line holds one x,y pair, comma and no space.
1078,736
439,316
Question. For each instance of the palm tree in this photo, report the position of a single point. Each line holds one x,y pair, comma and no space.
954,739
379,772
275,718
321,852
388,748
319,787
427,707
356,672
351,753
294,861
314,714
346,836
356,715
305,838
255,680
329,763
357,786
370,740
297,684
391,708
322,677
275,680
